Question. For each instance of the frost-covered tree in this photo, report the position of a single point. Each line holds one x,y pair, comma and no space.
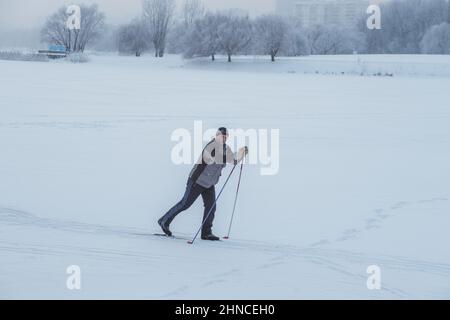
437,40
235,34
203,38
55,30
330,40
133,38
177,38
296,41
270,34
375,40
404,24
192,10
158,15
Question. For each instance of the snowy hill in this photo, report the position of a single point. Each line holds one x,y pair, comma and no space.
85,173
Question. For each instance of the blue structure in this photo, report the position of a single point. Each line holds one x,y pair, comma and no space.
57,48
55,51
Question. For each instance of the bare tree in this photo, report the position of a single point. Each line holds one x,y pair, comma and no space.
404,24
270,33
296,43
235,34
92,22
55,30
158,16
437,40
192,10
203,38
133,38
177,38
326,40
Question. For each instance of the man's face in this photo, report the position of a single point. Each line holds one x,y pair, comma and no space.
221,138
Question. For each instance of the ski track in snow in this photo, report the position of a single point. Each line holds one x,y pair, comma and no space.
376,220
43,121
277,254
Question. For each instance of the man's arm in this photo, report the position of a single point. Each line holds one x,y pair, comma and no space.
235,158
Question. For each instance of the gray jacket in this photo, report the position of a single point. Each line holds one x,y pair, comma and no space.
213,160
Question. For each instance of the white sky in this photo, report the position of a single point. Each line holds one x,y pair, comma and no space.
25,14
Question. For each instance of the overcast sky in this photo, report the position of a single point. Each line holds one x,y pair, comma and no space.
18,14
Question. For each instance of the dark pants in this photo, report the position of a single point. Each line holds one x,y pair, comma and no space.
193,191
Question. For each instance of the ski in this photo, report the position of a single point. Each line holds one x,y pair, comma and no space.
162,235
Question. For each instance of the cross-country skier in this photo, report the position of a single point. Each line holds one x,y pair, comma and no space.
202,179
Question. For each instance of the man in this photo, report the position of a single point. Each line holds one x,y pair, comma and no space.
202,180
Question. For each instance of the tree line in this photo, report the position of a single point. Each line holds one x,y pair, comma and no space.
408,26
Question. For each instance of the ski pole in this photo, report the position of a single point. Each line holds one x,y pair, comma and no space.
210,210
235,201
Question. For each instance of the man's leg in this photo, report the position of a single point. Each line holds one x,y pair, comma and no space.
191,194
209,199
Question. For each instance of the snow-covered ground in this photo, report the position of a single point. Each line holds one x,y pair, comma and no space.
85,172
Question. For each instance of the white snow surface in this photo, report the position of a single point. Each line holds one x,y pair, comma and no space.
85,172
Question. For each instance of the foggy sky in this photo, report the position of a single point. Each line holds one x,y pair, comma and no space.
27,14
